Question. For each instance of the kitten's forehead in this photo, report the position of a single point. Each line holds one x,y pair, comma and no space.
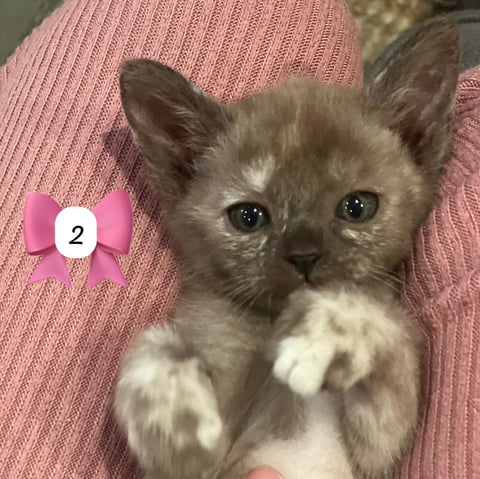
259,173
308,134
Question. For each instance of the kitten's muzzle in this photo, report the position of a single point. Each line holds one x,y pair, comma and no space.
304,263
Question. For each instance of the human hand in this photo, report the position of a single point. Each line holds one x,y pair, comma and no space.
263,472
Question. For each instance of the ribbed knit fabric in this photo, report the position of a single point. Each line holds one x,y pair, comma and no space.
442,290
62,132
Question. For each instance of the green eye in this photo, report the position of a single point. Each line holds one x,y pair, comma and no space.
248,217
358,207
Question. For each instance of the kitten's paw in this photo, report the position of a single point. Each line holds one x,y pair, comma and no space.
169,411
302,364
173,399
329,340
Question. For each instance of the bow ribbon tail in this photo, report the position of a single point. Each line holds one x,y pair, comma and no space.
103,265
52,265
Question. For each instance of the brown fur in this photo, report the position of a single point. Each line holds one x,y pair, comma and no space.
251,342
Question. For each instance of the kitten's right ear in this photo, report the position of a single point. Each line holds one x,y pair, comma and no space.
172,122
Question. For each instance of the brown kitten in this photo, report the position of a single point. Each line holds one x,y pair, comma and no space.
290,209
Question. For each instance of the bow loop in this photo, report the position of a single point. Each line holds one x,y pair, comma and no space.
39,215
114,222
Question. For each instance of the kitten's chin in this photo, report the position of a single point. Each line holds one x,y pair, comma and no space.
274,301
307,285
273,298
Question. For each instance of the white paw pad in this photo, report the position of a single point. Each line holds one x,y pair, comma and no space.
302,363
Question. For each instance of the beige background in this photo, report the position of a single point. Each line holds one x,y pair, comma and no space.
18,18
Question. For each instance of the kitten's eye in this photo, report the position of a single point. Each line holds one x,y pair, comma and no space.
358,207
248,217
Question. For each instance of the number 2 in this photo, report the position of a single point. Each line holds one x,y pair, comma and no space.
74,240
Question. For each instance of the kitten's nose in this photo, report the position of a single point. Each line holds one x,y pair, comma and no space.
304,262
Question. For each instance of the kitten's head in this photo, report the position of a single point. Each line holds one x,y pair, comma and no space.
301,184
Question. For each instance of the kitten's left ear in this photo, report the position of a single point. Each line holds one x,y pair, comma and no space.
417,91
172,121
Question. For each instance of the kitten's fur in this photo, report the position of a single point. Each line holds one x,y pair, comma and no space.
256,368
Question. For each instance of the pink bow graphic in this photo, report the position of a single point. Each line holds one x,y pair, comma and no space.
114,234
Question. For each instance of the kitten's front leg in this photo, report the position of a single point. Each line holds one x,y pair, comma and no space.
346,341
166,404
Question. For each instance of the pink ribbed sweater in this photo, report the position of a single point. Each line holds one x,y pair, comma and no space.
442,290
62,132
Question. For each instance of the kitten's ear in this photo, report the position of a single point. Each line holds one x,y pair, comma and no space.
172,121
417,92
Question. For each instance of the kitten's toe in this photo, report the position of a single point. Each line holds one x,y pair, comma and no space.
209,429
302,364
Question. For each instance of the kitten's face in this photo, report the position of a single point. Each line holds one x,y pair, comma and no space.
304,183
305,187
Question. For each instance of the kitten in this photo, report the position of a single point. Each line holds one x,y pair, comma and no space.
290,209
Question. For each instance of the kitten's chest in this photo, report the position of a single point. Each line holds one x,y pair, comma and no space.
316,453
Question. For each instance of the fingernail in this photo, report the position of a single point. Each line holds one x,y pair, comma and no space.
263,473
